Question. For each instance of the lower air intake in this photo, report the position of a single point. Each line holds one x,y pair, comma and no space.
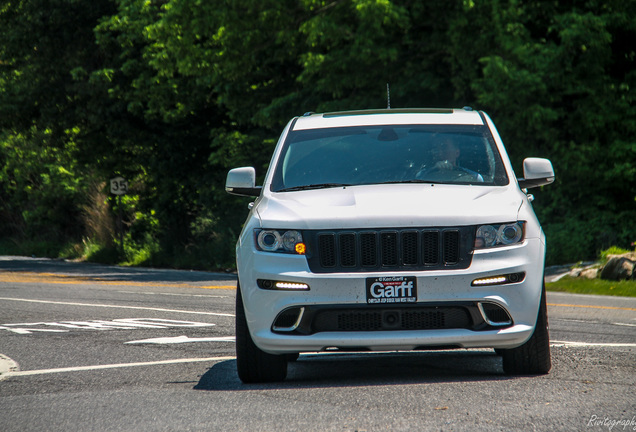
494,314
424,318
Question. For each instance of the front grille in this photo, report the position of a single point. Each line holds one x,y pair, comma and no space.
389,249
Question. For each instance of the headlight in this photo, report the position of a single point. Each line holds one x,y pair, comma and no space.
290,241
499,235
269,241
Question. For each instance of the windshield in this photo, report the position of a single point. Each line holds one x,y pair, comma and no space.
349,156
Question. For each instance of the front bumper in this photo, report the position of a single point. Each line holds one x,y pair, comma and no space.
436,289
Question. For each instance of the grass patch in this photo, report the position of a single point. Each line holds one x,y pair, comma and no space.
614,250
593,286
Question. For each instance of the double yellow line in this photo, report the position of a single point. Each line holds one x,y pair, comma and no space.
53,278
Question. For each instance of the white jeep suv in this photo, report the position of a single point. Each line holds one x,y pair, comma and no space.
397,229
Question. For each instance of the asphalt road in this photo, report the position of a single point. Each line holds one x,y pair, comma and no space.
97,348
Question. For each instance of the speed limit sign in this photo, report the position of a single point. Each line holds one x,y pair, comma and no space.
118,186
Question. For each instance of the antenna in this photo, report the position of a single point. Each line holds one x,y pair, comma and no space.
388,97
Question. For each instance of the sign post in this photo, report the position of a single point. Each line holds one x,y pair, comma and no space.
119,187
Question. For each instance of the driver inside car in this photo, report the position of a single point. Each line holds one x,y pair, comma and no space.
447,153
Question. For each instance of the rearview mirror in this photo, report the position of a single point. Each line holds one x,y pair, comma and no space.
242,181
536,172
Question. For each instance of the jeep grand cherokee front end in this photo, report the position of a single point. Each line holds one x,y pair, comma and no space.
390,230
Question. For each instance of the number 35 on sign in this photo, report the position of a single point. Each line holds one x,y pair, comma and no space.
118,186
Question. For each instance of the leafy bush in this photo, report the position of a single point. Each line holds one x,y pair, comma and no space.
165,94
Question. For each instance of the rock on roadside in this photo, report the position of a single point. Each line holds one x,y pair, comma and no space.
619,267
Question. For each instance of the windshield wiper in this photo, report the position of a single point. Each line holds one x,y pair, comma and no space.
313,186
411,181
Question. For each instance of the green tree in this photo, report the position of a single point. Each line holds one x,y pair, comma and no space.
559,79
173,93
40,139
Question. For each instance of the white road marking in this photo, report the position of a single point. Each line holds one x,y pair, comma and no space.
182,339
7,365
116,324
116,306
589,344
113,366
592,322
31,330
625,324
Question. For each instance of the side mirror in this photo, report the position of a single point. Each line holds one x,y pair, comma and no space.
242,181
536,172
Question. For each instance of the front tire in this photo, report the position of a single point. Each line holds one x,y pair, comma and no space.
533,357
253,364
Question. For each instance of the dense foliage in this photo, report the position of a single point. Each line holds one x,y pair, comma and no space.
172,93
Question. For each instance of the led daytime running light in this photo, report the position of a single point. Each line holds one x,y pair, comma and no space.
268,284
292,286
490,281
511,278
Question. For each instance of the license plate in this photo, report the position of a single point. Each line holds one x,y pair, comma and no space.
392,289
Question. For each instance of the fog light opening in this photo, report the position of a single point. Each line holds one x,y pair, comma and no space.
514,277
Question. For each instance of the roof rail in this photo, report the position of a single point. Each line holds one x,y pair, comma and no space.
390,111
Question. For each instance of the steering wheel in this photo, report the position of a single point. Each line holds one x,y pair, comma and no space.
437,173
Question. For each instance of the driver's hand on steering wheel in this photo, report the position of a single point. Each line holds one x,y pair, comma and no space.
443,165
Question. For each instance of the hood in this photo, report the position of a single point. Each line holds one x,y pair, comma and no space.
386,206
